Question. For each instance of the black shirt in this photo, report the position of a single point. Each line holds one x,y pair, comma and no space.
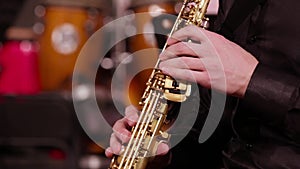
267,122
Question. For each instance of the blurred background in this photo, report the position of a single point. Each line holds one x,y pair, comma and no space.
40,41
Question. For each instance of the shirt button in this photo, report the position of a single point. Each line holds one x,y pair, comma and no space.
252,39
249,146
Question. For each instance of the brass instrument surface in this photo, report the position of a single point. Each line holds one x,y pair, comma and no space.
161,89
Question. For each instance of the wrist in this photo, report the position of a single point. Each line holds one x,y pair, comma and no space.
247,80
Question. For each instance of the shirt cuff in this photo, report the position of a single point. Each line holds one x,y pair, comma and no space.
269,94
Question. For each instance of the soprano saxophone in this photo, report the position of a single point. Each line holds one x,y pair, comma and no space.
160,90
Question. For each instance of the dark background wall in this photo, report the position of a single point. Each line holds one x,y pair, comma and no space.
9,11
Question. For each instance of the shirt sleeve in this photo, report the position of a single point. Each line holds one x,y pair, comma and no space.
275,96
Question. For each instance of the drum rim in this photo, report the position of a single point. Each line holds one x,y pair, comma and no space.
20,33
139,3
99,4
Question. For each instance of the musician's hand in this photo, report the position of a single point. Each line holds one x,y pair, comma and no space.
210,60
121,133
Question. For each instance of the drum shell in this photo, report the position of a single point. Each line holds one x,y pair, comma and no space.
76,3
67,28
138,3
19,67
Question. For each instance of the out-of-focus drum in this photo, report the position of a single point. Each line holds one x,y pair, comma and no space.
145,22
67,26
150,15
18,62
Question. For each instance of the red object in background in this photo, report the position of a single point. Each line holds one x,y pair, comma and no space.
19,64
57,154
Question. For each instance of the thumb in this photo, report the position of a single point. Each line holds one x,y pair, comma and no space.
162,149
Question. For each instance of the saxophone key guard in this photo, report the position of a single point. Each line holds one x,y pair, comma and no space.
176,91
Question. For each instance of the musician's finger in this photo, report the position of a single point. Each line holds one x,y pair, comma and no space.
187,33
162,149
108,152
183,63
115,145
201,77
178,49
131,115
121,131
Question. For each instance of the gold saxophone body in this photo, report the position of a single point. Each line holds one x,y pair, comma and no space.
160,90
